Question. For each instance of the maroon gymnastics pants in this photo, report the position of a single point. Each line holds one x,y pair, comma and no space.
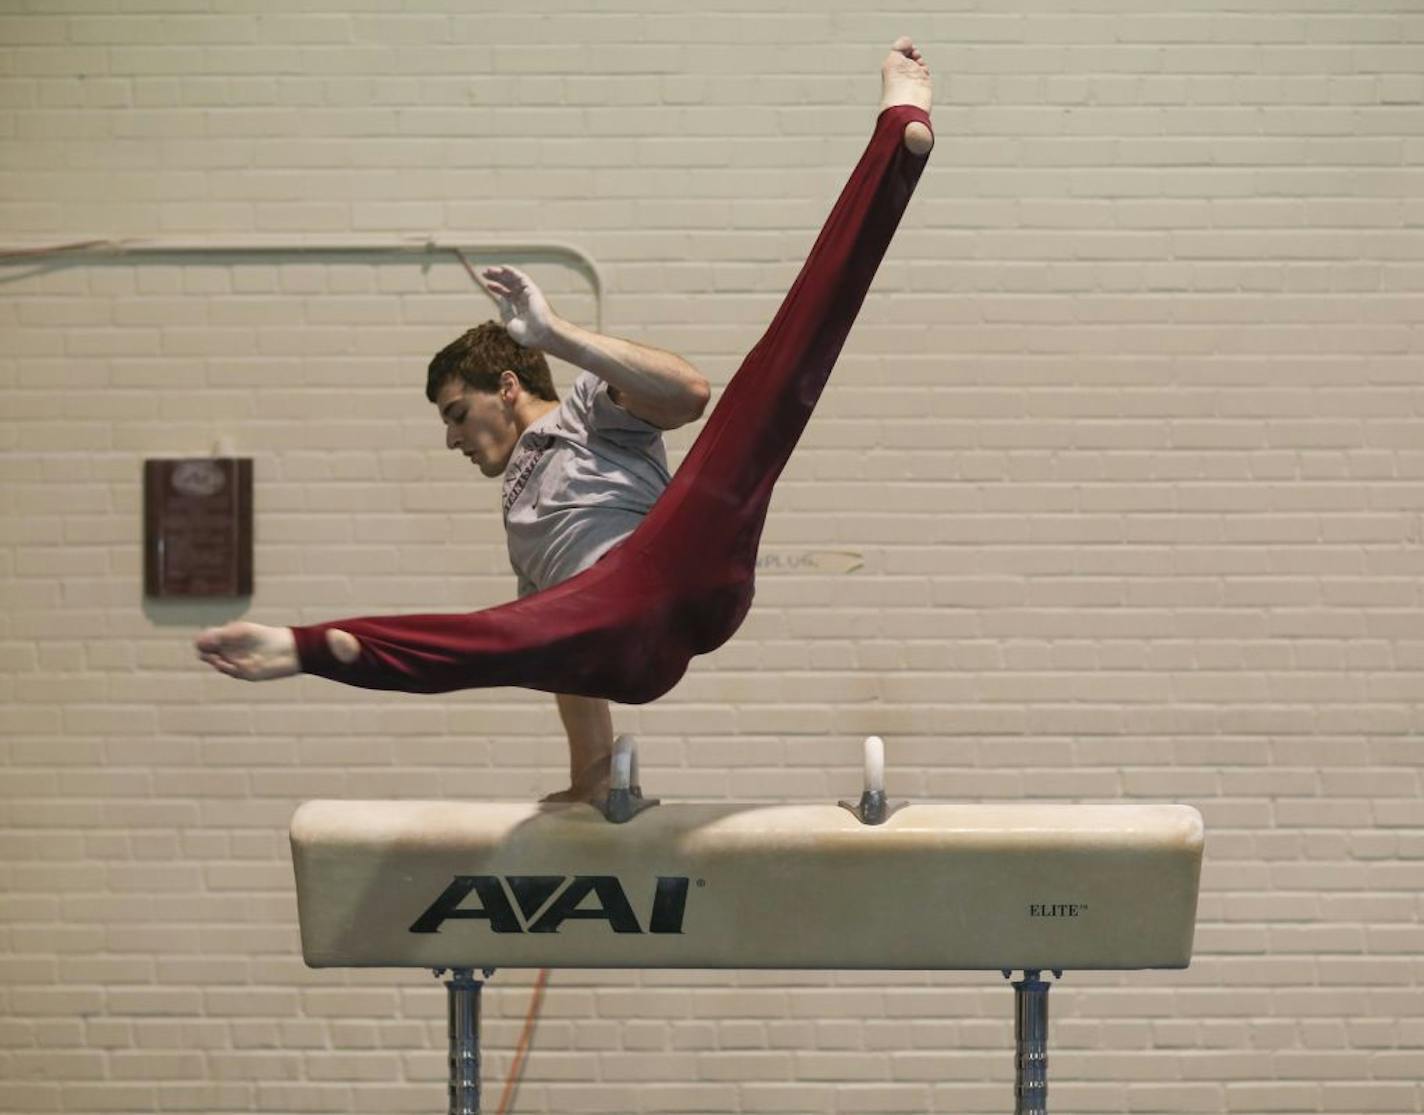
682,582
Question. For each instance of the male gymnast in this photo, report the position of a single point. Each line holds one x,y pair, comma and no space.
624,574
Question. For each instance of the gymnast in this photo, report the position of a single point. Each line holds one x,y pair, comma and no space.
624,575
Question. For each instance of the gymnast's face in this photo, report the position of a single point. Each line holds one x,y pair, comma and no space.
481,424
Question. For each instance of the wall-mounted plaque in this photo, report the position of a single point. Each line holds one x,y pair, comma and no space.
197,537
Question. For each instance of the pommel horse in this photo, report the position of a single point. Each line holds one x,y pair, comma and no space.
866,885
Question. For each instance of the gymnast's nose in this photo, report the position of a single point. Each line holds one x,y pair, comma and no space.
452,437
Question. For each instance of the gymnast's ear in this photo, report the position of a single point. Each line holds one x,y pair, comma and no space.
509,387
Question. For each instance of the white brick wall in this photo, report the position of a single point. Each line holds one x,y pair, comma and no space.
1127,442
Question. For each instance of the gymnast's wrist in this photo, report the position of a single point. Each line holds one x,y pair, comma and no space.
559,338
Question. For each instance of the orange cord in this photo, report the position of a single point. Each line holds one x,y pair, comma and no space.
512,1080
461,256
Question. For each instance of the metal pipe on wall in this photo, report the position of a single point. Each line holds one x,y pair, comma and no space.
109,249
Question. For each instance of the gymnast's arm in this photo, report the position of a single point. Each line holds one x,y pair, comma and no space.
656,386
588,724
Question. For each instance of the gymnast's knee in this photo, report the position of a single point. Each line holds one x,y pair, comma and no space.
715,614
645,686
343,645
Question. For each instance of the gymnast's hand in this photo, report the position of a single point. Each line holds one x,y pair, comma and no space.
522,306
249,651
255,652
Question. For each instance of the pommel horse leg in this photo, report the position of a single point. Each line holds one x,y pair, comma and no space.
1031,1042
463,998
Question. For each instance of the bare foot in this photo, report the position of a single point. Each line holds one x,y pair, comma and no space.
905,80
249,651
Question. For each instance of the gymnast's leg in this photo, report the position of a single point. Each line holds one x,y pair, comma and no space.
682,582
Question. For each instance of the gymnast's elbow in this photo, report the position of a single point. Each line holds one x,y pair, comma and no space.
699,393
678,408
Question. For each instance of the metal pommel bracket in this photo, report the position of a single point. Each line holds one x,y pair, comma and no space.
625,796
873,807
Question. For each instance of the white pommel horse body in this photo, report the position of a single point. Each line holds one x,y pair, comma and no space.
466,885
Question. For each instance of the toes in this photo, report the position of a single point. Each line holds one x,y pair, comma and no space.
905,46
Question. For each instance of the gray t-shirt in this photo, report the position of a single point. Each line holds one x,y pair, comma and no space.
579,481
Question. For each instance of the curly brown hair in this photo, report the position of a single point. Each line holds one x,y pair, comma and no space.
481,354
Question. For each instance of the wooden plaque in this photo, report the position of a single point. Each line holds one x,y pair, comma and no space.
197,527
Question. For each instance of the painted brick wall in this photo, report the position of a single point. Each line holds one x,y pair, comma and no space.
1118,495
